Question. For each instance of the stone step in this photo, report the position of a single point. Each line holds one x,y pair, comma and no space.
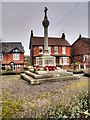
29,79
38,76
35,76
40,81
58,79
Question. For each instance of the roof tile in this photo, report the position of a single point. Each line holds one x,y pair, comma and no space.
51,41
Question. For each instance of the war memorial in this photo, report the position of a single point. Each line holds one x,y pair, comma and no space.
40,74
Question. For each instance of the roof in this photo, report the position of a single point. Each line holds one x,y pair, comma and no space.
84,39
14,61
51,41
55,55
9,46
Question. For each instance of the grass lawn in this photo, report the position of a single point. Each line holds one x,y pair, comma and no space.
65,99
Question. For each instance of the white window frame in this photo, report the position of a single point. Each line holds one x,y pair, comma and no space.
60,61
65,62
40,47
18,67
1,56
55,49
49,49
63,50
36,60
16,50
84,56
16,56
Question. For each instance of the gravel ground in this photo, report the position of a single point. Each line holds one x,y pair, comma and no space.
36,98
17,86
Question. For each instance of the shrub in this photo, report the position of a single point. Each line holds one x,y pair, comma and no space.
8,69
76,109
58,65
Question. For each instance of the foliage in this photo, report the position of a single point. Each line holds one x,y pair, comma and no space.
76,108
58,65
50,68
46,68
11,108
8,69
74,64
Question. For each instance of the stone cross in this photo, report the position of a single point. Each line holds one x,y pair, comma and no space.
45,11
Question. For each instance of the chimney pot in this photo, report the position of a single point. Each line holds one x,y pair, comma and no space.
63,35
80,36
31,33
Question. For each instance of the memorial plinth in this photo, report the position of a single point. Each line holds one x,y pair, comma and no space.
46,60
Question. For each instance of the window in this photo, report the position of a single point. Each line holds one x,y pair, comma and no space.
49,49
16,50
16,56
63,50
56,49
60,60
12,66
84,58
65,61
1,56
3,66
36,61
40,49
0,67
18,67
40,61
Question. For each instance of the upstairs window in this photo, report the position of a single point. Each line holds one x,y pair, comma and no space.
63,50
16,56
16,50
1,56
49,49
56,49
84,58
40,49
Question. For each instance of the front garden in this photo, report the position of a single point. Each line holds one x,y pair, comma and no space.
65,99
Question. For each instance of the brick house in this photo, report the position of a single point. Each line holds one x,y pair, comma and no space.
12,55
80,51
58,47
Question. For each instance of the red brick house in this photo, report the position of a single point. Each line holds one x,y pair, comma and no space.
58,47
80,50
12,55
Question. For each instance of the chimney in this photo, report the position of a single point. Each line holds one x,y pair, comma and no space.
80,36
31,33
63,35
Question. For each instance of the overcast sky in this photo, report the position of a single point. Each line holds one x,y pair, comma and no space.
18,18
